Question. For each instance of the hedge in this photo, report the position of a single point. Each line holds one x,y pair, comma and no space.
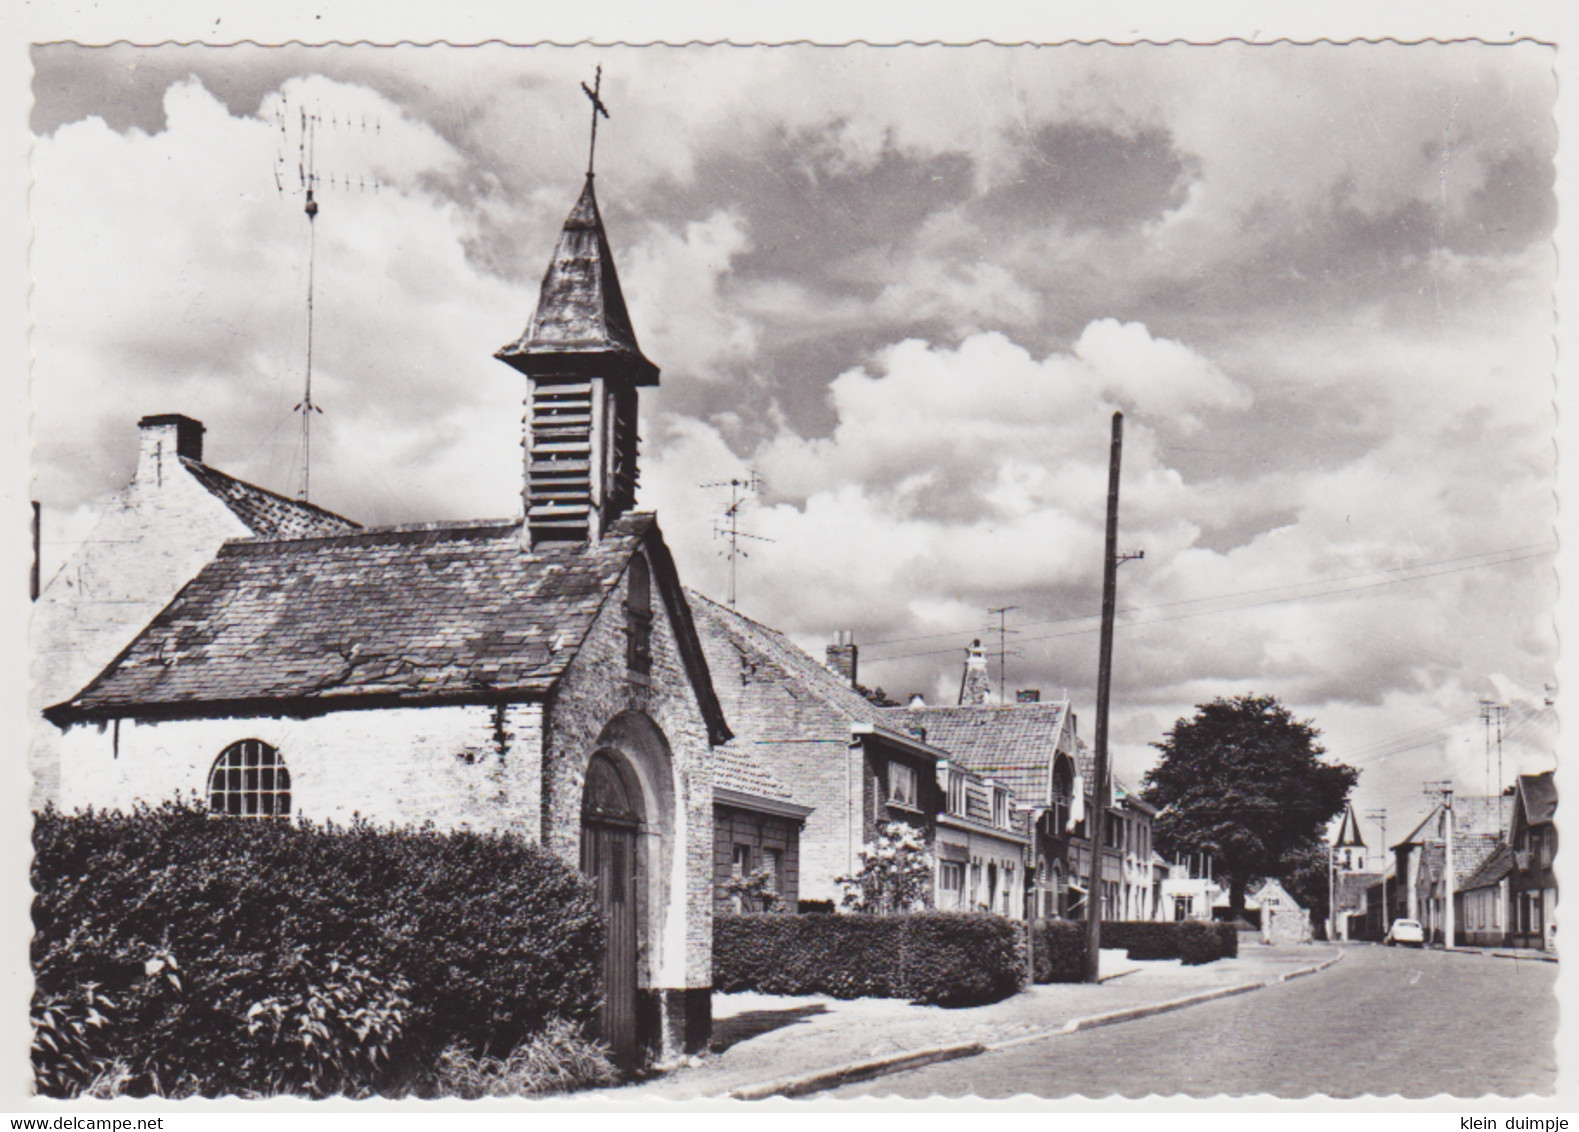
1199,942
1060,951
944,958
1142,939
203,957
1230,938
1160,939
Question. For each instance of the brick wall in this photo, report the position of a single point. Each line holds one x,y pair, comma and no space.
159,531
732,827
805,743
472,767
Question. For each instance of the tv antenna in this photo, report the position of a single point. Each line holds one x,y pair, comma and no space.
1001,613
727,524
1491,711
308,182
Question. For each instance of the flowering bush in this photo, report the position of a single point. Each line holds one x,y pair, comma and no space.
895,873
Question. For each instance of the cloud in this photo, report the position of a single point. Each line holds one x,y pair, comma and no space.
910,285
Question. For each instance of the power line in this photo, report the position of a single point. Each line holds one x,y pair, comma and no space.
1543,547
1242,606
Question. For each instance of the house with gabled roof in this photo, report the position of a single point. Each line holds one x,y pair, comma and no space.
1484,900
1421,858
1035,750
756,835
540,675
859,768
152,538
1533,882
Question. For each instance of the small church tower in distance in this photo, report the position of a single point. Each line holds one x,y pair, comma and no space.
1349,849
583,368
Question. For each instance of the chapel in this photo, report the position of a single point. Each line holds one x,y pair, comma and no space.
541,674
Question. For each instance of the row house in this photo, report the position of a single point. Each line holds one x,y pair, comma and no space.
854,769
1532,884
1481,905
1424,885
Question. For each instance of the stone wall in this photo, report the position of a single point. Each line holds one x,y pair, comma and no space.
595,690
458,767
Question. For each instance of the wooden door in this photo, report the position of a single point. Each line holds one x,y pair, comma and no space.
608,857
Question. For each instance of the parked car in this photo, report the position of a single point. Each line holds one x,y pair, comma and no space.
1408,932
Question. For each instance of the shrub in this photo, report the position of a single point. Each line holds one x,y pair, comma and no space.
1143,939
1199,942
1229,935
559,1059
895,872
947,958
269,956
1060,951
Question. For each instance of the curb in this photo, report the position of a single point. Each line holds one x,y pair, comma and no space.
1489,953
852,1072
855,1071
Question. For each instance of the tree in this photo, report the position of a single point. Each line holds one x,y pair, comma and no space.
1304,874
1243,780
894,873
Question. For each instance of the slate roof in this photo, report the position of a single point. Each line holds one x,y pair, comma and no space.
581,325
773,646
267,514
1349,831
453,612
1496,866
1014,744
1540,797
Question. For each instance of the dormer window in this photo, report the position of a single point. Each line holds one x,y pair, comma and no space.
638,617
1000,807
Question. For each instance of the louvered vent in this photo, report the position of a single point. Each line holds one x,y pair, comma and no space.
559,465
623,475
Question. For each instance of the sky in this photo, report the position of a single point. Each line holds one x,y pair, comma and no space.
907,288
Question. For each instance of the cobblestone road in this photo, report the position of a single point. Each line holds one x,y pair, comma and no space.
1382,1022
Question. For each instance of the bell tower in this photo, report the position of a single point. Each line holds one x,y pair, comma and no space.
583,369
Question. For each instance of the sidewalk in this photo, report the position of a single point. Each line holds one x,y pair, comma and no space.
766,1045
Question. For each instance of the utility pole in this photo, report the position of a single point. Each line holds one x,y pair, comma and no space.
1381,816
1448,912
1443,790
1332,903
1099,788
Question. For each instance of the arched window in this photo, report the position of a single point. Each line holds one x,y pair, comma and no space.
638,616
250,779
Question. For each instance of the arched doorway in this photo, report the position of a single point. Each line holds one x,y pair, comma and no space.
611,815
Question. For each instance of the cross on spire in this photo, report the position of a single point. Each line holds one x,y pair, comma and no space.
597,108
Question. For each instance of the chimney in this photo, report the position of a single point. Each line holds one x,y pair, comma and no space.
974,686
843,654
1028,696
164,438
